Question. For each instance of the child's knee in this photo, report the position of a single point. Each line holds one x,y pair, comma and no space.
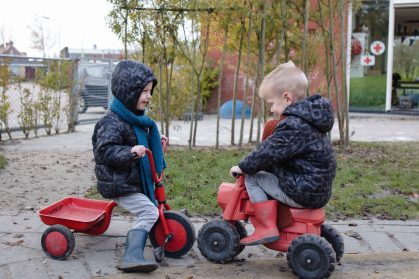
155,213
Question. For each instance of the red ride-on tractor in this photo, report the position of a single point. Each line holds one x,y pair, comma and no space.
313,248
172,235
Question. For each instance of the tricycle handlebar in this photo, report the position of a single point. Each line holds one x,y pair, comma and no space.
156,178
236,174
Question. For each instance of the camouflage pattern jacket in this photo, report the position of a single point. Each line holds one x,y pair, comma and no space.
299,153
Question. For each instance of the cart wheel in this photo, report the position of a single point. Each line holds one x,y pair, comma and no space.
311,256
58,242
333,237
183,235
218,241
241,230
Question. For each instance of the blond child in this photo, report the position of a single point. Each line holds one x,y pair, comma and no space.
296,164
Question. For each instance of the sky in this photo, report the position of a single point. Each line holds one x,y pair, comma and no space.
75,24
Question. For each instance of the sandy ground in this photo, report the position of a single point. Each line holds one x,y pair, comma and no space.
33,179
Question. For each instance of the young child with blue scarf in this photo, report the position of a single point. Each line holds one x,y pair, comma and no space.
123,172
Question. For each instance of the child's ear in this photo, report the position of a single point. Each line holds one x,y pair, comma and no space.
288,98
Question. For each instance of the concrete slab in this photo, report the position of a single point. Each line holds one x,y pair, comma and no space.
379,241
32,268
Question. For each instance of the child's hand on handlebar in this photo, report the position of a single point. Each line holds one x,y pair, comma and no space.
235,171
138,151
163,137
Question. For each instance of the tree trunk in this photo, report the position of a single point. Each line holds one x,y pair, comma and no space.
304,48
262,71
249,38
198,77
192,105
345,100
284,28
334,73
253,105
220,78
236,80
326,39
125,35
161,96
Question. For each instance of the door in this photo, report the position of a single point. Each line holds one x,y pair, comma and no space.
404,93
368,67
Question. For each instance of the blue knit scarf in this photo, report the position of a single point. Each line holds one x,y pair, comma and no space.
153,142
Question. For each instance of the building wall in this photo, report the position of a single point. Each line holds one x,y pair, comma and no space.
227,82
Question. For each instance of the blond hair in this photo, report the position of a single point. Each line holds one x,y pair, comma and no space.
285,78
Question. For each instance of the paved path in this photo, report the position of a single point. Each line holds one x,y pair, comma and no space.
22,256
363,127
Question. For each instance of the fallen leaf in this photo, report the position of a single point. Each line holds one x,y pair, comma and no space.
353,234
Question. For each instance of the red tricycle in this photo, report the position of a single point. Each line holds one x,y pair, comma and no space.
172,235
313,248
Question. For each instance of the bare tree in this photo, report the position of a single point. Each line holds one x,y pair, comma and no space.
41,36
2,35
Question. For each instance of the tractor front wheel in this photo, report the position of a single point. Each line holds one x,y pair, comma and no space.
218,241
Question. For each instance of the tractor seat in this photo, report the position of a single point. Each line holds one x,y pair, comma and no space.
308,215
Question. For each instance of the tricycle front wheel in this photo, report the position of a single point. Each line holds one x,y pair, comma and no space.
183,234
58,242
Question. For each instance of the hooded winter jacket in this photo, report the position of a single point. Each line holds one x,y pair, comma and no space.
116,170
299,153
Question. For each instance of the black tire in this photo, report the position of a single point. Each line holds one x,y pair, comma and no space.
82,104
311,256
333,237
218,241
241,230
58,242
183,235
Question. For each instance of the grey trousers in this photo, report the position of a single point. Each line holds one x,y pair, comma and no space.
140,205
262,183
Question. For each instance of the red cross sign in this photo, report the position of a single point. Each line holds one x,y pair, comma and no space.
377,47
367,60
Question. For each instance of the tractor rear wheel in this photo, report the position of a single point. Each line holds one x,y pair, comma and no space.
311,256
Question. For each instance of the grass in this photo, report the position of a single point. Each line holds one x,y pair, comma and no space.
372,180
368,92
2,161
379,179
